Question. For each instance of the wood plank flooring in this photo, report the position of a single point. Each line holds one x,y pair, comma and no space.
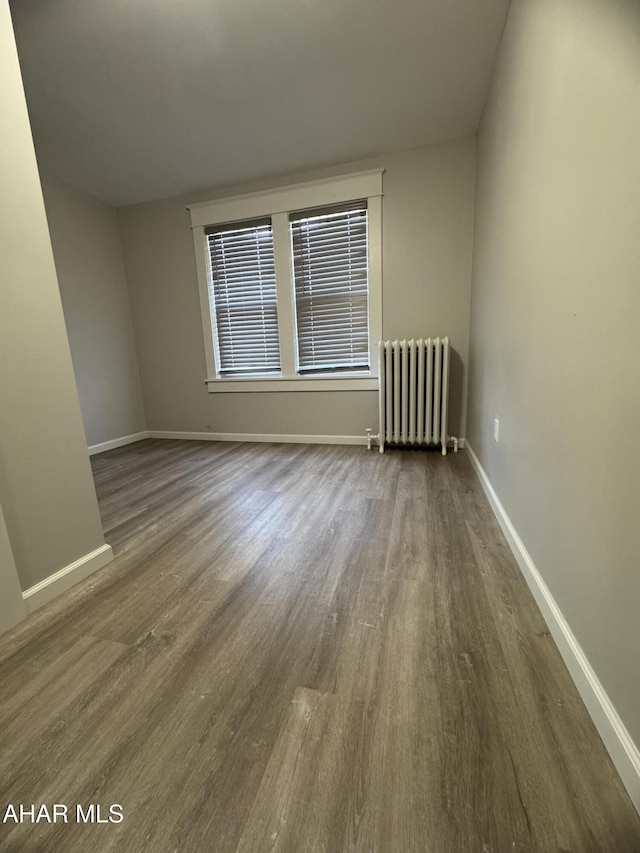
300,648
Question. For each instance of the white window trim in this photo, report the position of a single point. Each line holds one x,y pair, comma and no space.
277,204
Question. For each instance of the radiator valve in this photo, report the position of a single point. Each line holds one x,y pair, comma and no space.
371,438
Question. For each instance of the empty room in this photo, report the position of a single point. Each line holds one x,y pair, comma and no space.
319,401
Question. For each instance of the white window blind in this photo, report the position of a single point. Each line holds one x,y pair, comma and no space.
242,291
331,288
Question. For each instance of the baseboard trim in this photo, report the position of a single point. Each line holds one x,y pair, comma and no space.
259,437
117,442
623,751
66,577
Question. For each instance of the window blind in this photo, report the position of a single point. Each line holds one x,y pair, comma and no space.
242,290
331,288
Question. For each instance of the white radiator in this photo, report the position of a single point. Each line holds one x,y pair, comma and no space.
414,391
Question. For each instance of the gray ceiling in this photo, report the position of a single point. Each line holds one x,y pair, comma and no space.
138,99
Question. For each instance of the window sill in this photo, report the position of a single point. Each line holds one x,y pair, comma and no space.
277,383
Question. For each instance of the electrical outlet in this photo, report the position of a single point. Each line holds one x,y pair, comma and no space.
496,430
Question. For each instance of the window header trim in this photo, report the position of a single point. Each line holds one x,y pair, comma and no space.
320,193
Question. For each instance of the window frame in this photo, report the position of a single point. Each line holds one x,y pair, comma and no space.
277,204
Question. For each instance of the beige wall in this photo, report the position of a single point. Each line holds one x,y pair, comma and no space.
12,606
555,349
86,248
427,240
46,488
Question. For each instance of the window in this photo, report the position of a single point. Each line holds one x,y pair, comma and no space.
331,288
242,285
290,286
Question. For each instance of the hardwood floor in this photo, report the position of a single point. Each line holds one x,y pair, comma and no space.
300,648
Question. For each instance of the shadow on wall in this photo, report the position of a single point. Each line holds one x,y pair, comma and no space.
456,392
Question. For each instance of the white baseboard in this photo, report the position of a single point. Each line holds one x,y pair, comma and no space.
275,438
260,437
117,442
623,751
66,577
